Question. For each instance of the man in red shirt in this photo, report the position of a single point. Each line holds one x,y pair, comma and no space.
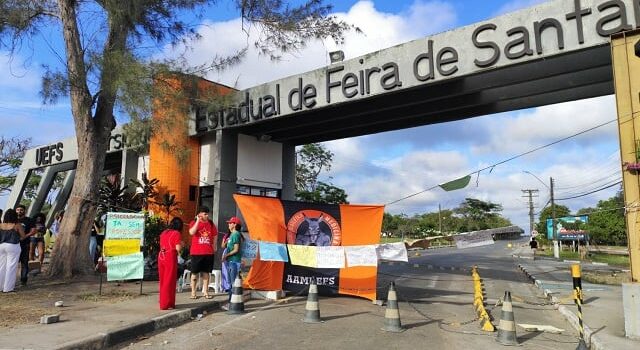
203,244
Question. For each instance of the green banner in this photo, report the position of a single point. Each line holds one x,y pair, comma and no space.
125,267
456,184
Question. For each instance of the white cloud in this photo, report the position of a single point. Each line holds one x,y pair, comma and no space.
526,130
380,30
517,5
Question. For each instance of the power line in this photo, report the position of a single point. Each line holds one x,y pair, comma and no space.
592,192
512,158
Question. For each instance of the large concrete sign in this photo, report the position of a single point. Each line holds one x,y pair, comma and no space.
550,29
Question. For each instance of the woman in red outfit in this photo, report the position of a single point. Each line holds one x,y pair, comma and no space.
170,247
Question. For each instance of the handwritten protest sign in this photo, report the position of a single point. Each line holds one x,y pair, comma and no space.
113,247
125,267
302,255
392,252
361,255
329,257
125,226
270,251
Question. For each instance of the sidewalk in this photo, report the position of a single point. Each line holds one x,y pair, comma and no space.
602,310
89,324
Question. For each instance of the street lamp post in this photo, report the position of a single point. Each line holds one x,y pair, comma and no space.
554,233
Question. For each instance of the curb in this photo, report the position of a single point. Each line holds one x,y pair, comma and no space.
590,338
119,335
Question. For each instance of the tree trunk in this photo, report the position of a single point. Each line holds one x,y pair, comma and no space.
71,252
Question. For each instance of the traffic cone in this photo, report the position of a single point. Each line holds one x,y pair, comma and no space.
312,310
392,314
236,304
507,325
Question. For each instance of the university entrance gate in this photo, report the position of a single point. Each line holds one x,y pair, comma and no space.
555,52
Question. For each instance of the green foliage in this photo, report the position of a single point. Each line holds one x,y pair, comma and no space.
480,215
168,204
311,160
324,193
11,154
485,215
154,225
606,222
113,197
145,190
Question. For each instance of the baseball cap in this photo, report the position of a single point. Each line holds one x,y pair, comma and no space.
234,220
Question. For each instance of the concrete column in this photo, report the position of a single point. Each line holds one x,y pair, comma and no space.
129,168
46,181
225,178
20,183
631,307
63,196
288,172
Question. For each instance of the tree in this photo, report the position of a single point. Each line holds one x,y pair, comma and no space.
311,160
546,213
108,66
606,222
480,215
11,154
324,193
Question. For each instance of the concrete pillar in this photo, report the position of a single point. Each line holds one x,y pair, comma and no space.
631,307
22,177
288,172
46,181
225,178
63,196
129,169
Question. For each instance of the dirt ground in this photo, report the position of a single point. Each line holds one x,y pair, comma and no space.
38,297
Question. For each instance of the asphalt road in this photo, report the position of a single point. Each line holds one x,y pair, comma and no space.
435,291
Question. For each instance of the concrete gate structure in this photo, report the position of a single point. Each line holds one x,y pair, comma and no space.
554,52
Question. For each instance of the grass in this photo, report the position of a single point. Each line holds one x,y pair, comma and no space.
611,259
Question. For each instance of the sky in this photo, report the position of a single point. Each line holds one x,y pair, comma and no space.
386,167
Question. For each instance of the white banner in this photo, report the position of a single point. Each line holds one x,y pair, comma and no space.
330,257
473,239
361,255
392,252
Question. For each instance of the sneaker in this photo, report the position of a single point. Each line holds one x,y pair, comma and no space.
225,307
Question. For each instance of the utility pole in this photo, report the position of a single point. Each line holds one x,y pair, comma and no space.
530,195
554,235
440,218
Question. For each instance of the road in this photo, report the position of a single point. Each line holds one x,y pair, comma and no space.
435,291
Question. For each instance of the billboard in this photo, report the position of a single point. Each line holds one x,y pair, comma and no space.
568,228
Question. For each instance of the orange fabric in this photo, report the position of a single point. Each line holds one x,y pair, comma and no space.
264,218
360,226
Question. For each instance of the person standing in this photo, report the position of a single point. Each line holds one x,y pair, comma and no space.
225,284
233,256
203,239
37,240
170,248
11,232
534,246
29,230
